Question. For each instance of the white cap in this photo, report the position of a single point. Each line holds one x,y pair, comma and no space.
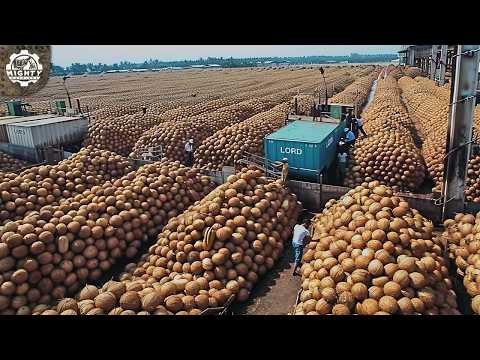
191,140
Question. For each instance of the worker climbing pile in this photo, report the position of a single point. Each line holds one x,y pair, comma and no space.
388,154
371,254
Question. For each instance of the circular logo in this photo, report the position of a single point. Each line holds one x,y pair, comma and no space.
24,68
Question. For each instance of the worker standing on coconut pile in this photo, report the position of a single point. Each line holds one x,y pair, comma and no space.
300,237
284,166
354,126
360,126
349,138
189,152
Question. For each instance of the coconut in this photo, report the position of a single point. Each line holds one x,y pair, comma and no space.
130,300
67,304
105,301
89,292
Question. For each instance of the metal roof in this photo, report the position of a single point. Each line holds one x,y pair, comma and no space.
304,131
52,120
20,119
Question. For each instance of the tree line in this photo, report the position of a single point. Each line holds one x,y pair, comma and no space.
78,68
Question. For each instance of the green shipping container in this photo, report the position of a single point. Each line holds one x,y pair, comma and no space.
310,147
337,111
14,108
60,105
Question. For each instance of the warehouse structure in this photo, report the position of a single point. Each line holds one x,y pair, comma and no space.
435,61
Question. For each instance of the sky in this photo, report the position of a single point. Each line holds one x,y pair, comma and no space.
65,55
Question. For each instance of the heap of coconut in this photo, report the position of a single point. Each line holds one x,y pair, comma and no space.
371,254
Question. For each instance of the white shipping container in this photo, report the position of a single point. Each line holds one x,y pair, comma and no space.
45,132
4,121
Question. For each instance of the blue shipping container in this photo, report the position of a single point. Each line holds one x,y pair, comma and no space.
310,147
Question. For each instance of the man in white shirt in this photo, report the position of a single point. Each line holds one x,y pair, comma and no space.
189,152
360,125
300,236
342,165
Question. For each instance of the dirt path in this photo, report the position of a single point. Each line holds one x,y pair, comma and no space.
276,293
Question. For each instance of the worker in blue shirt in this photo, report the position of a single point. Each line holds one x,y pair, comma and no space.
349,137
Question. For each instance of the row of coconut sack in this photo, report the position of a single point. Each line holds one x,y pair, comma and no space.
371,254
216,249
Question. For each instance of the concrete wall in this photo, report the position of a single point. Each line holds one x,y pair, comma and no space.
220,177
425,204
21,152
310,195
314,196
314,200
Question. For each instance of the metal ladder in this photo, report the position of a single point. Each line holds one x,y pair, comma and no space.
267,166
150,154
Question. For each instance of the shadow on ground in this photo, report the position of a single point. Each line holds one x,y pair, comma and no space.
275,293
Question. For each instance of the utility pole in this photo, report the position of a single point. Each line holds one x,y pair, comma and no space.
460,129
325,84
66,89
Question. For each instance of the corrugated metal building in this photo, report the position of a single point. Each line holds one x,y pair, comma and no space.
7,120
48,131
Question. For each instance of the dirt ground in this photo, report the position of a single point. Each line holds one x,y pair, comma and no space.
276,293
